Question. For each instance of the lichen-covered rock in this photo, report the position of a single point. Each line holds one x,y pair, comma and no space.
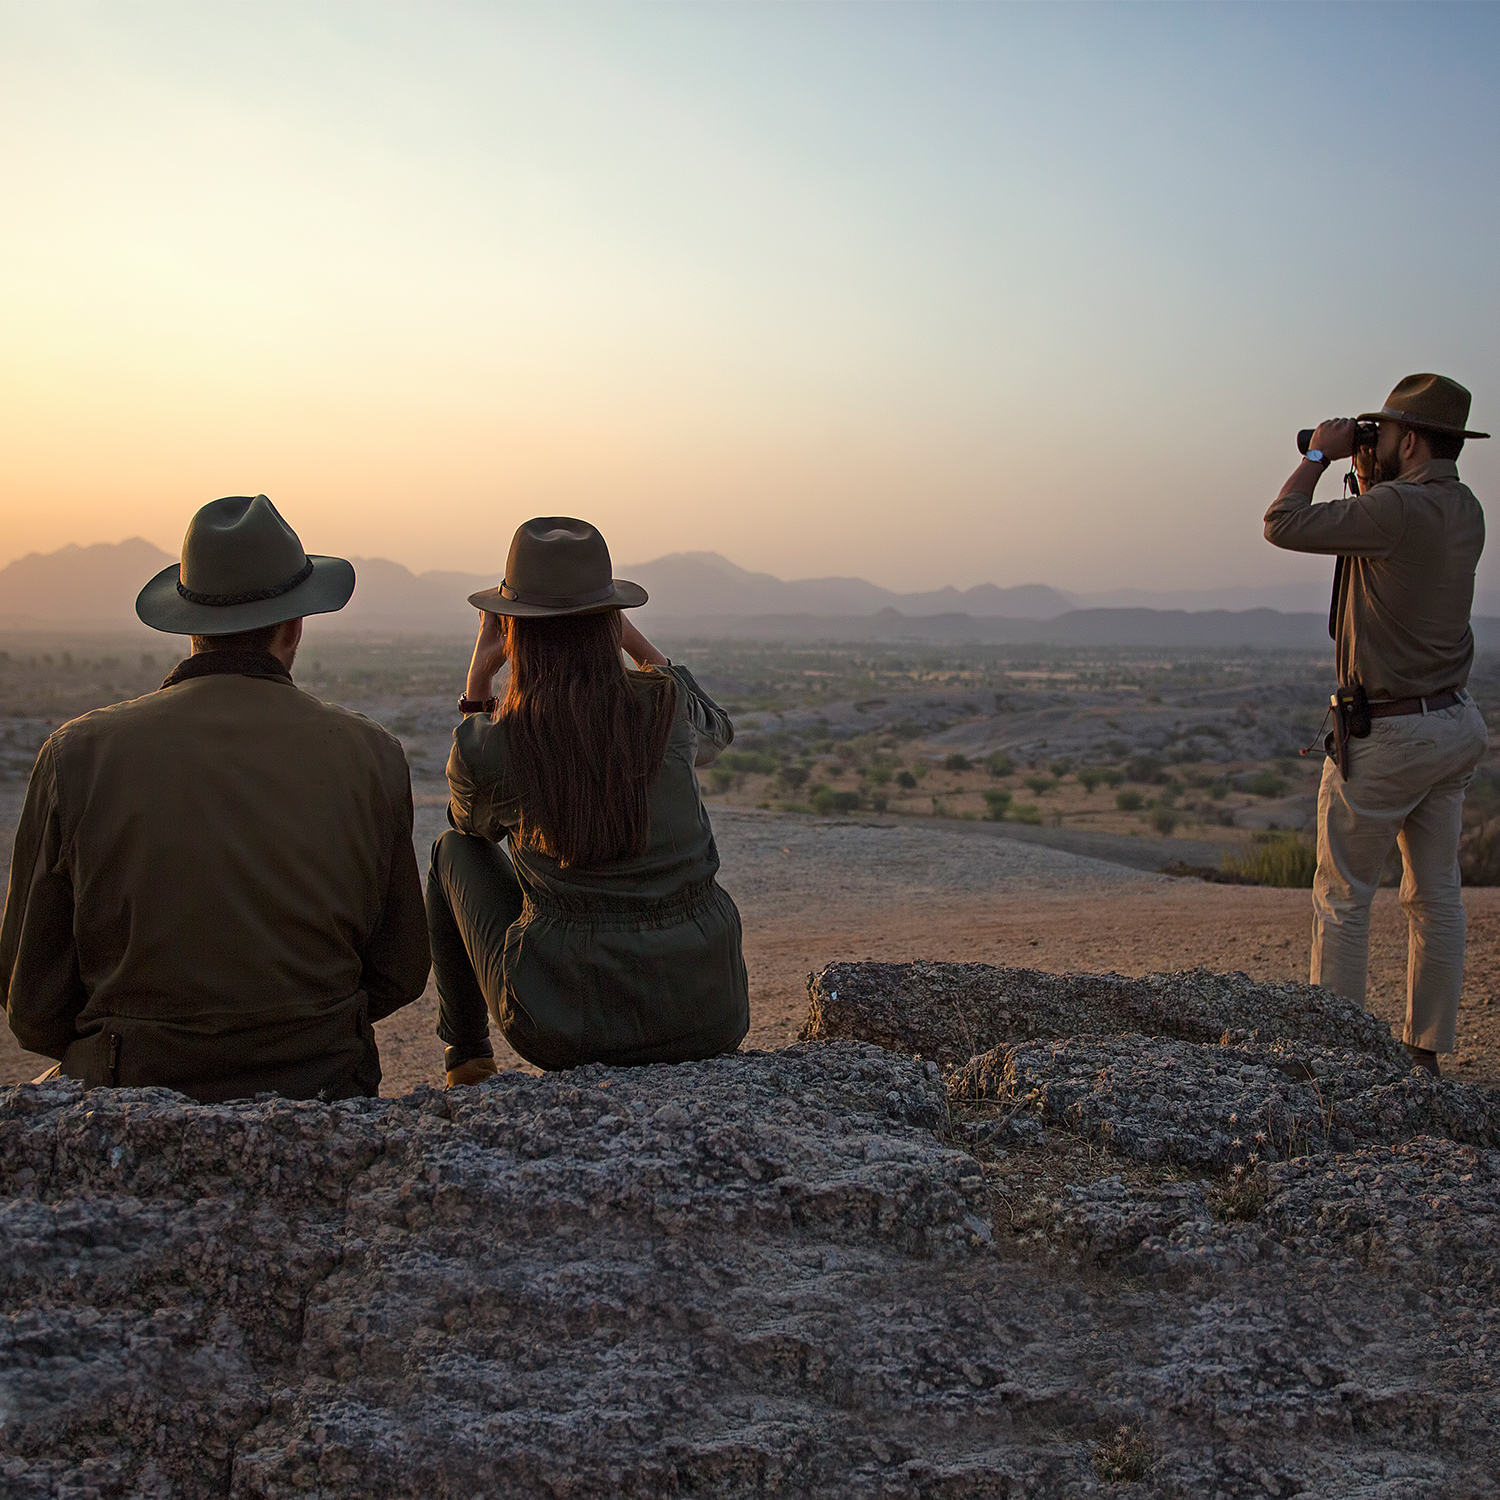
771,1274
952,1012
1215,1107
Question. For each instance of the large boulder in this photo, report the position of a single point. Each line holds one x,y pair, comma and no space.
950,1012
772,1274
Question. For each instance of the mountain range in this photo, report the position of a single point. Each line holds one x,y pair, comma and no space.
703,593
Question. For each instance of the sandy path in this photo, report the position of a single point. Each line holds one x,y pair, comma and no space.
811,891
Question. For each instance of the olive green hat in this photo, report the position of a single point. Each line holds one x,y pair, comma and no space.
1432,402
242,568
558,566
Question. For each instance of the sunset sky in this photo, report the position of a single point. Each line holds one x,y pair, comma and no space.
926,293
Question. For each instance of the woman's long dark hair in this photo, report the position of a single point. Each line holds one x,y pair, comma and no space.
584,747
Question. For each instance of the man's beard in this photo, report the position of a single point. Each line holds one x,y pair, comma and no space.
1388,472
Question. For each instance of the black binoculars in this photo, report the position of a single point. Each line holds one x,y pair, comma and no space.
1363,438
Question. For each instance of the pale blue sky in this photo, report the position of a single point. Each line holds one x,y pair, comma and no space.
928,293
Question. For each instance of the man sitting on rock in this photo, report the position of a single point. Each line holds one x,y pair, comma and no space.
213,887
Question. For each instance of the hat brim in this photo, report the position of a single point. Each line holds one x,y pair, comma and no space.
1385,414
623,595
326,589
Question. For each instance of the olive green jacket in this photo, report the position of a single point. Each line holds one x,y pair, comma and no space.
639,960
214,889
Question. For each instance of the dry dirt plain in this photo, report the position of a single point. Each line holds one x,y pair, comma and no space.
813,890
872,885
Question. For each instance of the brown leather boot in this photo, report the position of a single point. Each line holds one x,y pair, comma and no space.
476,1070
1422,1058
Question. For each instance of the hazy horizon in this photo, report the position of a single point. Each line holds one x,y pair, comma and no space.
925,295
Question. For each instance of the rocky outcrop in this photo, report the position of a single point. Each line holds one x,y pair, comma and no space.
828,1271
952,1012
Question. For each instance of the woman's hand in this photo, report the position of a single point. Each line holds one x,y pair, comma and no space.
489,657
637,647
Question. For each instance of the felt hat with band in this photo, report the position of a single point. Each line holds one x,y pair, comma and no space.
558,566
1432,402
242,568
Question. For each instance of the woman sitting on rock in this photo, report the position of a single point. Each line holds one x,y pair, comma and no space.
603,936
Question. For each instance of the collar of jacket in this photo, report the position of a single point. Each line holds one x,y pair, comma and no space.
1434,469
218,663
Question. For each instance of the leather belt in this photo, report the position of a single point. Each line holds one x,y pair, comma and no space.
1389,708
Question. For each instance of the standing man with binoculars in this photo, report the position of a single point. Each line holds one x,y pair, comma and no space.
1407,735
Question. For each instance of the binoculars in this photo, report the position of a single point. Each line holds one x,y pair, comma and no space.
1364,438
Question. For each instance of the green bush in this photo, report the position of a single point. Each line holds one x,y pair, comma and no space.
1112,775
761,762
1089,778
1000,764
1146,769
1062,765
996,801
1041,785
1266,784
1281,859
821,799
1129,801
792,777
1164,820
1218,790
906,779
1027,812
957,762
722,780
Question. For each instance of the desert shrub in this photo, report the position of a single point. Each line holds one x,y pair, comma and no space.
1164,820
1126,1457
957,762
846,802
1218,790
1026,812
792,777
1089,778
1281,859
1041,785
907,729
1062,765
761,762
1112,775
1000,764
1479,853
1129,801
1147,769
1265,784
879,801
722,780
906,779
996,802
821,799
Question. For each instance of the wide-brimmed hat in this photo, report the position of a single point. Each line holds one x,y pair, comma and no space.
558,566
242,568
1432,402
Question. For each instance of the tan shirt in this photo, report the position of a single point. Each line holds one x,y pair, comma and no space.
220,876
1402,623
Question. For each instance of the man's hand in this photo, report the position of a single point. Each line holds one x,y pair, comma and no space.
489,657
1335,437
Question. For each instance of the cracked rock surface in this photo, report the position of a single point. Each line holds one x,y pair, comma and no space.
951,1012
771,1274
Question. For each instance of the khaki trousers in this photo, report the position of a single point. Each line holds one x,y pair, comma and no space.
1406,786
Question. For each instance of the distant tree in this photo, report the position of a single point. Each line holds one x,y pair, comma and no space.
1129,801
997,801
906,779
1089,778
1112,775
1164,820
1062,765
792,777
957,762
1000,764
1041,785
